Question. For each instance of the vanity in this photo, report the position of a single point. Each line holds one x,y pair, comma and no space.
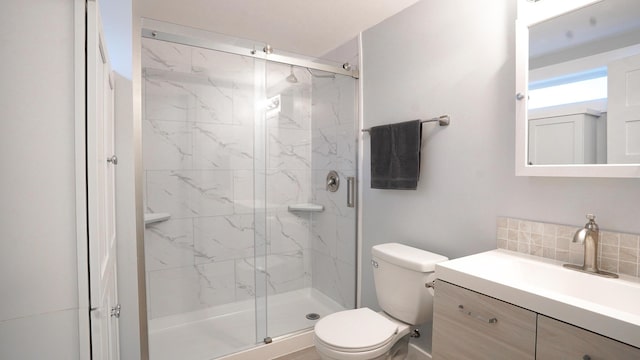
505,305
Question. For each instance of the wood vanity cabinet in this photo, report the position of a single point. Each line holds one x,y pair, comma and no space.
469,325
559,340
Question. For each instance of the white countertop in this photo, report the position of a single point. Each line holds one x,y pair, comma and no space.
610,307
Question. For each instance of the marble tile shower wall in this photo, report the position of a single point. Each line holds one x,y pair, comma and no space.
198,134
334,148
617,252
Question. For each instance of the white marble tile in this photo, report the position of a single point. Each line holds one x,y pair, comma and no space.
346,239
217,282
325,104
222,146
224,66
173,291
346,89
324,234
346,284
169,244
166,100
324,148
213,101
190,193
166,56
286,187
335,279
243,201
295,108
245,279
167,145
284,272
288,232
307,258
244,103
346,147
220,238
289,149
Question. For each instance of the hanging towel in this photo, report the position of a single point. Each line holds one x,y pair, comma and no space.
395,155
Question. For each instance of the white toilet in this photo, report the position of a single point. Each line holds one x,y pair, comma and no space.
400,273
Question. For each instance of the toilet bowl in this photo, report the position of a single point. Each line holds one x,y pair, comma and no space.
360,334
400,273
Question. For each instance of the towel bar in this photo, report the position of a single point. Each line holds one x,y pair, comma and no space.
442,121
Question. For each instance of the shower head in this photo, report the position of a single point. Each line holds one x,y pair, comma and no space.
292,78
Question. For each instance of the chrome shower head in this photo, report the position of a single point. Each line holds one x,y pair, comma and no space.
292,78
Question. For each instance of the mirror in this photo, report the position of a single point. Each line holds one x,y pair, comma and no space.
579,91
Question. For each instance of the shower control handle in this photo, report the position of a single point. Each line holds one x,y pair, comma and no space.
333,181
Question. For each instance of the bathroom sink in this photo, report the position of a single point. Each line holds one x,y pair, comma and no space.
606,306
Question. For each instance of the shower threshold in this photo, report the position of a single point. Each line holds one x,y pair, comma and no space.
229,328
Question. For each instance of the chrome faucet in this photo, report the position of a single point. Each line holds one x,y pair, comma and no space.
590,237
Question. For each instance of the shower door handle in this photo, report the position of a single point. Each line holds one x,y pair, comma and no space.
351,191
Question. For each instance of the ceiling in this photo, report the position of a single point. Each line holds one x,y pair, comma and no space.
601,26
307,27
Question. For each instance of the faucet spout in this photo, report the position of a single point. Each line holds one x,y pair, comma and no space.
590,237
580,236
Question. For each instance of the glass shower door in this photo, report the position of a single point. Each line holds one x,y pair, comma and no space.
310,130
202,168
236,152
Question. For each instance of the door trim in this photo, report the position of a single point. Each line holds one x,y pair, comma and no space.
82,237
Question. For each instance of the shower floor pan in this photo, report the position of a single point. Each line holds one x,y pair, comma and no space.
214,332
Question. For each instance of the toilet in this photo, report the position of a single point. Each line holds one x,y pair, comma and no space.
400,273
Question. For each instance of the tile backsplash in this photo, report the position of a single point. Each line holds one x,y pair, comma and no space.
617,252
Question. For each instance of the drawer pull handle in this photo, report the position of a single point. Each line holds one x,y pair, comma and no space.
481,318
586,357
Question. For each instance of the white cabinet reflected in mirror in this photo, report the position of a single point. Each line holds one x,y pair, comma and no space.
578,77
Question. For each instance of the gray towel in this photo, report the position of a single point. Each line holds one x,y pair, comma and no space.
395,155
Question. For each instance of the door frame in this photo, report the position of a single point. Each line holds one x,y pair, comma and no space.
82,234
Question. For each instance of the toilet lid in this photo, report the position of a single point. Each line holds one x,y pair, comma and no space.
359,329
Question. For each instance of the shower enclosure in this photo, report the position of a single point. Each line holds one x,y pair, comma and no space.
244,240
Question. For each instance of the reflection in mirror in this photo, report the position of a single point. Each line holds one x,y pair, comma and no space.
584,86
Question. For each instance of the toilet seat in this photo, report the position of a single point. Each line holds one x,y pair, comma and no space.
354,331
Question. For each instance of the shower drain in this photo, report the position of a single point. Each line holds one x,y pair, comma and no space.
312,316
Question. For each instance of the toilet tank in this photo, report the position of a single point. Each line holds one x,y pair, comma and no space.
400,273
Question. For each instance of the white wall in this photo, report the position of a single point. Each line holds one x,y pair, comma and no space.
38,276
456,57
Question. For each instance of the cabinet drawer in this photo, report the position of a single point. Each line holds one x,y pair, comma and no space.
558,340
469,325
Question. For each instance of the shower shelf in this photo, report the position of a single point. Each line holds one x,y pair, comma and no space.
307,207
150,218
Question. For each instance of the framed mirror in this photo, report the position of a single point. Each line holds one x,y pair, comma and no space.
578,88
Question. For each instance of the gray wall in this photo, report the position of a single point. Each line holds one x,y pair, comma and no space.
456,57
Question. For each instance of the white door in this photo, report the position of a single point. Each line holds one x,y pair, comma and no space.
623,118
101,193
